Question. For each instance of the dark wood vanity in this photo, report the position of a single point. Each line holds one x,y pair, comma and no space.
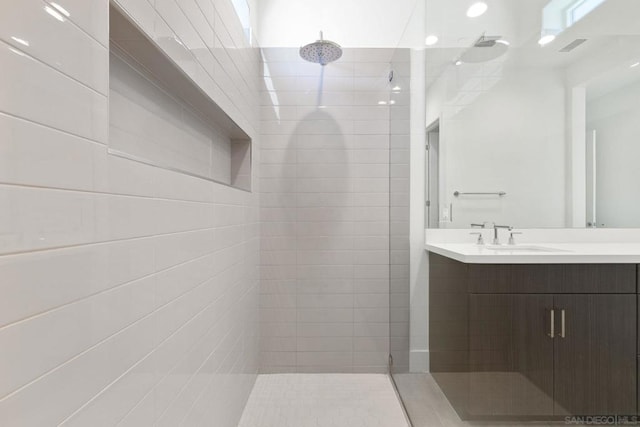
534,341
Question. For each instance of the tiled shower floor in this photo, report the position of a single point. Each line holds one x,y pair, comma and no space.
323,400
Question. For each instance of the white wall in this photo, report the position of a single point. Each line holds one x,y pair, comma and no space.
325,213
129,293
419,336
615,116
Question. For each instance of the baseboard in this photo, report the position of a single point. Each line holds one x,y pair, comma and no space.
419,361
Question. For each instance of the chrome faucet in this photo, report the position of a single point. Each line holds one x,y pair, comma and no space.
496,241
483,225
480,240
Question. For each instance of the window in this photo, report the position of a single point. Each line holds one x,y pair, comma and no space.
244,14
579,9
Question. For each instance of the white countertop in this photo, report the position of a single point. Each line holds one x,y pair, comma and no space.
548,253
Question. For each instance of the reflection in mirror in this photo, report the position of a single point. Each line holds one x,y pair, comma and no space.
613,148
517,95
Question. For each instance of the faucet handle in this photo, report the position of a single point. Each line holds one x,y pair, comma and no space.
480,240
511,239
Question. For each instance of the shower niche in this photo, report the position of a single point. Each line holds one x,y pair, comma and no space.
159,116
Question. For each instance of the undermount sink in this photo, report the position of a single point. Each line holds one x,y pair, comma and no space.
521,248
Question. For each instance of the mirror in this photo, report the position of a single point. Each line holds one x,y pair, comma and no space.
613,148
534,108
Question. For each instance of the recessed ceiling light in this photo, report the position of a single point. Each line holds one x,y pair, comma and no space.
545,40
634,65
458,62
477,9
382,102
392,102
431,40
396,88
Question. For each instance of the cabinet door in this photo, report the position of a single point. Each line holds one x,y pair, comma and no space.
595,357
532,354
510,355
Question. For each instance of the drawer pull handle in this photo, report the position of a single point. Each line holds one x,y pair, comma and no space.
562,324
552,316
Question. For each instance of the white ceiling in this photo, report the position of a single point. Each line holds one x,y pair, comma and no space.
520,22
393,23
350,23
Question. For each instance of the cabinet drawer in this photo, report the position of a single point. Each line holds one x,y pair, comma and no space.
599,279
552,278
514,278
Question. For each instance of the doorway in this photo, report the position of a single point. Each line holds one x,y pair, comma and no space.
432,210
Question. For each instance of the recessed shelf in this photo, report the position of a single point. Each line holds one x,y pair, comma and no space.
158,115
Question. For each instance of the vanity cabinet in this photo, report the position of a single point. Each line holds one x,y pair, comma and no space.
538,341
594,364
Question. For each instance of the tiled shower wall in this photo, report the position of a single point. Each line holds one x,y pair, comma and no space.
128,293
325,213
399,210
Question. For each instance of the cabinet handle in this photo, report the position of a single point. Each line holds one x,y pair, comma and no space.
552,321
562,324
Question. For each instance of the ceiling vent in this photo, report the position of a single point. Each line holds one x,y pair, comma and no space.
574,44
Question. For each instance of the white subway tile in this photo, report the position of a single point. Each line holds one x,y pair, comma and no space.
278,344
41,156
328,315
323,344
175,247
325,330
370,329
33,91
325,300
341,285
40,218
379,344
80,379
324,358
337,243
271,315
121,397
41,281
42,343
278,358
71,51
90,16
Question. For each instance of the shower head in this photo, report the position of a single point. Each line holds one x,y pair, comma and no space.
321,51
484,49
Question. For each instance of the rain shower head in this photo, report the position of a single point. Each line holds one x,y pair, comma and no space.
484,49
321,51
